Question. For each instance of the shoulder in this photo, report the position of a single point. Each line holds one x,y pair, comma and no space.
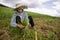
24,11
15,14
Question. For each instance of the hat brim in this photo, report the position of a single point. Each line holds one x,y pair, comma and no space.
23,7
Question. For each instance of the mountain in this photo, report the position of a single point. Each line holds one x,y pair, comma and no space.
2,5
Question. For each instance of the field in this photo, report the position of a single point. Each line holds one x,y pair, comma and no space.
47,27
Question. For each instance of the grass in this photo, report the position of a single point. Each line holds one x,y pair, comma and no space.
47,27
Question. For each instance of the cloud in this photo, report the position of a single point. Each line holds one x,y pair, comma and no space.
1,1
47,7
45,11
30,3
57,5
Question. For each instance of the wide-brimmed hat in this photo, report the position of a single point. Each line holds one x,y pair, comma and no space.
23,6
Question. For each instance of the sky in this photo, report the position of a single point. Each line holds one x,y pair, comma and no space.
47,7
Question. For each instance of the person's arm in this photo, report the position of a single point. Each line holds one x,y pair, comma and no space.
18,21
27,17
20,26
13,22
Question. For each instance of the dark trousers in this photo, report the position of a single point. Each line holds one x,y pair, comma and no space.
18,20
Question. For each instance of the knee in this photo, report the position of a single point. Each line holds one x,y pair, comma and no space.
29,16
17,17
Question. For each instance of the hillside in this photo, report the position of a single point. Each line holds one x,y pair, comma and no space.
47,27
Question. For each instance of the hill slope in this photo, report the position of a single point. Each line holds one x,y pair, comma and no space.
47,27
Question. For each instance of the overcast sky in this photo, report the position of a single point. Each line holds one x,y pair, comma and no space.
48,7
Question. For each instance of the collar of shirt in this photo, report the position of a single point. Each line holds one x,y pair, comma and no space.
22,15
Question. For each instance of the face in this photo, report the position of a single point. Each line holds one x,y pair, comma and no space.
20,10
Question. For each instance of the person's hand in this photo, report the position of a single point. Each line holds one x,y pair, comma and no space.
20,26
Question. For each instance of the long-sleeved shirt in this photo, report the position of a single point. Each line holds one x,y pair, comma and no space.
22,15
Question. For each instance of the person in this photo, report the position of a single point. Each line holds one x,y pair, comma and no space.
20,18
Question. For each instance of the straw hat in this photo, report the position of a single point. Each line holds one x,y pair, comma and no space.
21,6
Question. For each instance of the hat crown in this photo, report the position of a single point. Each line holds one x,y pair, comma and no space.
21,5
18,5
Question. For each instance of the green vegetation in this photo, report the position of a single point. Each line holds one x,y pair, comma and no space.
47,27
